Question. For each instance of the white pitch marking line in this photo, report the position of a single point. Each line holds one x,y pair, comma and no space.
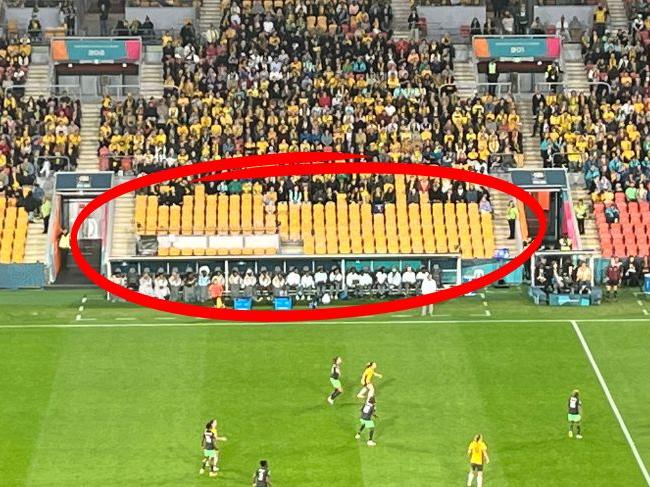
215,323
125,319
610,399
164,318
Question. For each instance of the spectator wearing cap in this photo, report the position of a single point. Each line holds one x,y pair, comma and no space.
175,286
279,284
293,280
203,282
189,287
352,282
320,280
249,284
161,285
408,280
145,284
307,286
394,281
264,284
235,283
335,282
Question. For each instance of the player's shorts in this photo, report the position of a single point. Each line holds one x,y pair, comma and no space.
210,453
335,383
368,423
575,418
476,467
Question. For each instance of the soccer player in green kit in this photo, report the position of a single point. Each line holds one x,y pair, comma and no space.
575,414
335,379
367,420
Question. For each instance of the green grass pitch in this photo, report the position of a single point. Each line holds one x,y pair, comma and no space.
120,397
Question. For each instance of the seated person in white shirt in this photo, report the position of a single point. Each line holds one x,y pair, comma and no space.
365,282
320,280
408,280
352,282
394,281
293,281
335,282
307,285
381,282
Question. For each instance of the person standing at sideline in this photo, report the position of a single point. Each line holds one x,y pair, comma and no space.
64,247
46,210
511,215
581,210
428,286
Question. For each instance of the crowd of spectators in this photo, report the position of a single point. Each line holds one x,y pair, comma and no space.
144,29
377,190
562,276
15,56
301,284
37,137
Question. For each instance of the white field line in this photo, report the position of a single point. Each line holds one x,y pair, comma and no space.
610,399
81,308
211,323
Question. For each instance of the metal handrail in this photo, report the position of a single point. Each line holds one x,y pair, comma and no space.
540,84
595,84
121,91
65,90
498,85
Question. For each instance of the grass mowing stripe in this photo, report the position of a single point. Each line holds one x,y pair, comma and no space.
611,401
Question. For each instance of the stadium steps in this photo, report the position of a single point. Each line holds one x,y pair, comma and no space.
465,76
590,240
38,81
124,234
500,202
532,157
617,15
151,79
36,243
575,76
401,10
210,13
89,133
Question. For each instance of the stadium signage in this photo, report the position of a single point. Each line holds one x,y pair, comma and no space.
516,48
96,50
300,164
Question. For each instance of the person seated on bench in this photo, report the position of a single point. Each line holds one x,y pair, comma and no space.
583,278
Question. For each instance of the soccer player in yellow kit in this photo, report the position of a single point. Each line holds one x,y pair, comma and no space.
478,457
366,380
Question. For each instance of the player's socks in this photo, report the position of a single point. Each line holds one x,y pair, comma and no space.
570,433
479,480
371,433
371,443
470,479
335,394
202,471
357,436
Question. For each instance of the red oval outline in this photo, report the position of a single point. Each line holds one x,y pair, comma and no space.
304,163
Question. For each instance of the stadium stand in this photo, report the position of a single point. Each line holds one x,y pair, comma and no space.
608,127
382,215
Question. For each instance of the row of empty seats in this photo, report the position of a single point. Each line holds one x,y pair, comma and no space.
344,228
204,215
631,235
13,231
